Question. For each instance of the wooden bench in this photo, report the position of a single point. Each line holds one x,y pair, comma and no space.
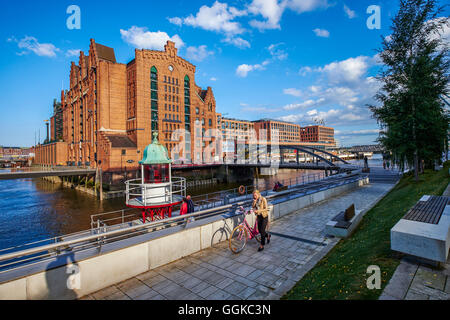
424,231
428,210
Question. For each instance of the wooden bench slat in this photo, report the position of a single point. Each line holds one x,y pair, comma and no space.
428,211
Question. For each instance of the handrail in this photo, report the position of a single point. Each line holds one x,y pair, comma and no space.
103,235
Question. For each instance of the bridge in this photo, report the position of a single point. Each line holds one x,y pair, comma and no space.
314,159
46,173
375,148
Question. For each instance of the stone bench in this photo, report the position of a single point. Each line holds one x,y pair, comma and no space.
344,223
424,231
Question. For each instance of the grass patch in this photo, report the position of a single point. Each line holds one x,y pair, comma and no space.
341,274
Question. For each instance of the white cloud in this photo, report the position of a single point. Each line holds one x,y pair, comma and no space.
243,69
314,89
73,53
444,33
305,70
219,17
271,10
31,44
305,104
237,41
276,52
301,6
350,13
141,38
176,21
321,33
199,53
349,70
293,92
213,79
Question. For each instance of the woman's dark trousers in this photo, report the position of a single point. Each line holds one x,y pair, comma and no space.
262,224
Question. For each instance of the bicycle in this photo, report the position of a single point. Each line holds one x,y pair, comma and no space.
242,233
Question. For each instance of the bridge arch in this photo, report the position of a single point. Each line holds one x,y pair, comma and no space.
313,151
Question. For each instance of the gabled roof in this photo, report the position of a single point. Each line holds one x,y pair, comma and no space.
105,53
120,141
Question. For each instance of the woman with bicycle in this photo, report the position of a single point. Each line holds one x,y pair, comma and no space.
261,211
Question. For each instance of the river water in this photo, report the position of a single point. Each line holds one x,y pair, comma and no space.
35,209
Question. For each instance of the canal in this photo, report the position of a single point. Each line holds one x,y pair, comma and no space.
35,209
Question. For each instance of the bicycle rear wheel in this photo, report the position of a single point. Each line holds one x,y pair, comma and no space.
238,239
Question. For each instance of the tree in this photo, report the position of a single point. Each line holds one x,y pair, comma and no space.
414,77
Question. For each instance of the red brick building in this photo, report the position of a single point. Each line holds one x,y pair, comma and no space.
318,134
112,109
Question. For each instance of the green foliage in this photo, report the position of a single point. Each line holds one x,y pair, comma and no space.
412,116
341,274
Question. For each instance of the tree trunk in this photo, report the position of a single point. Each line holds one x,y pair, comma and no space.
416,166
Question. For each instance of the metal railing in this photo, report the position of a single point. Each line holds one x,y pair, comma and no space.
135,189
39,251
219,198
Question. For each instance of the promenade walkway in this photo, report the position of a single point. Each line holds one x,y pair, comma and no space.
298,243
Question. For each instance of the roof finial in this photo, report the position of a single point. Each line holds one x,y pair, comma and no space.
155,137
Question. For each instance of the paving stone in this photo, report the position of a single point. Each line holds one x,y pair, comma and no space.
165,287
147,275
191,282
219,295
247,292
235,288
149,295
129,284
105,292
255,274
200,287
447,286
155,280
177,294
209,290
118,296
430,278
434,294
415,295
387,297
137,290
401,280
224,283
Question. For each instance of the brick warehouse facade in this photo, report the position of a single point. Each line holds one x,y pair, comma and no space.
111,110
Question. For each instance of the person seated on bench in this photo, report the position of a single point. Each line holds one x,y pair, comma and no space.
277,186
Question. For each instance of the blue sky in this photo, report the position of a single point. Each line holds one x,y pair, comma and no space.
295,60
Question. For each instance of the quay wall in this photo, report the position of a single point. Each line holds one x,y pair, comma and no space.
94,269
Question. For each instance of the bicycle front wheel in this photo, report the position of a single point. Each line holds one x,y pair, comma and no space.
238,239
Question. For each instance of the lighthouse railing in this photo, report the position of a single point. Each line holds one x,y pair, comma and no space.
149,194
